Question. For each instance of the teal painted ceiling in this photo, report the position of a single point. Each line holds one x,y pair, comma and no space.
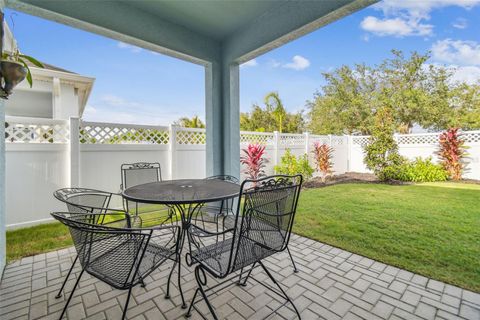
215,19
196,30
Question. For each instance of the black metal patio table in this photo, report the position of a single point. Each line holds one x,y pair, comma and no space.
187,196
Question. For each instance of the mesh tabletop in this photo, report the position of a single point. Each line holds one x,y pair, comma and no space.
182,191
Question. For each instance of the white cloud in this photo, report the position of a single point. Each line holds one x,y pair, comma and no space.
398,27
250,63
457,52
421,8
460,23
114,109
132,48
89,110
115,101
298,63
407,17
467,74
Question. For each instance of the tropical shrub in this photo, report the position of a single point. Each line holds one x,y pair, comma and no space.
451,153
292,165
323,159
253,161
382,149
419,170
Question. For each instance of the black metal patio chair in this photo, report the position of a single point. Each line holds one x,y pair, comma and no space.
262,227
96,202
220,209
120,257
133,174
225,210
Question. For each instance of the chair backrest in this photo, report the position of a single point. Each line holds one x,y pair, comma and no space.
112,255
265,217
224,177
84,200
139,173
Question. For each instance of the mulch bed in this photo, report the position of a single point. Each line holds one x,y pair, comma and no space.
348,177
357,177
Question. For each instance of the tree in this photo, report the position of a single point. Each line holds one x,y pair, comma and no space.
381,152
346,103
273,117
276,109
186,122
415,92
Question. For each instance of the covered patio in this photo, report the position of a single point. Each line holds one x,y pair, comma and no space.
332,283
217,35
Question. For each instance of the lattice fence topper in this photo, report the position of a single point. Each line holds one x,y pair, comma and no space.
253,137
338,140
96,133
418,138
292,139
360,140
471,136
191,136
18,132
320,139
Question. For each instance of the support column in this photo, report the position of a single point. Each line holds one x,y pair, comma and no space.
74,155
222,118
3,240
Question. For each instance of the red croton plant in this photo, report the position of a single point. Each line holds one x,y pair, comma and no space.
452,150
254,161
323,159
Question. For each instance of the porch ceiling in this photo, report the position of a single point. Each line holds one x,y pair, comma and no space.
198,31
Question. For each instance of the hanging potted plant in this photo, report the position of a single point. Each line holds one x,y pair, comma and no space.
14,69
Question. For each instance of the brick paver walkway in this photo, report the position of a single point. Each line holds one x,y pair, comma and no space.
332,284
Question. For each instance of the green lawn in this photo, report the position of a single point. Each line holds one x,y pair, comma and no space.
432,229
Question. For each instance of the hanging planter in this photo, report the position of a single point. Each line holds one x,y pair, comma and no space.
14,69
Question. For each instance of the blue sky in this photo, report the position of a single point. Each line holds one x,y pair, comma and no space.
134,85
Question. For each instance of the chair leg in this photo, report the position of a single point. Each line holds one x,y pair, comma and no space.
167,296
199,274
71,294
184,305
189,312
142,283
279,287
126,303
59,294
244,282
293,262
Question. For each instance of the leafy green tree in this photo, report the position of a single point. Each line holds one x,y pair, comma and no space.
273,117
415,92
186,122
276,108
381,152
346,103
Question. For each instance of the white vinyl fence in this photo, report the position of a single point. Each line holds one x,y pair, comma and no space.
44,155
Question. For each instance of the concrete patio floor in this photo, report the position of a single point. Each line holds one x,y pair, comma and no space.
332,284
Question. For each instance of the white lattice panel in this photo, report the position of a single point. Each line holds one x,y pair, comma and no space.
247,137
18,132
191,137
471,137
320,139
292,139
338,140
360,140
418,139
93,133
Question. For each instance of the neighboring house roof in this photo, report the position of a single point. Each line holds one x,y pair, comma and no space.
48,66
